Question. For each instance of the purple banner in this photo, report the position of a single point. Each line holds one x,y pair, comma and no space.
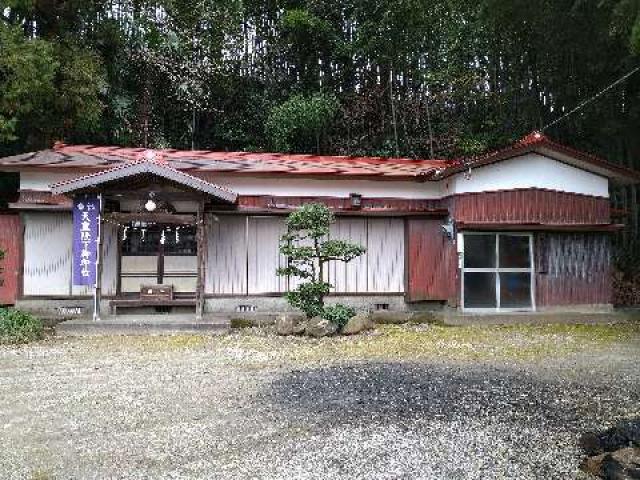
86,211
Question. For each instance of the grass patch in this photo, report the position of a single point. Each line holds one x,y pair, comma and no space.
19,327
148,343
407,342
241,323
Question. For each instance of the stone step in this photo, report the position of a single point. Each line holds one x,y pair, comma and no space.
143,325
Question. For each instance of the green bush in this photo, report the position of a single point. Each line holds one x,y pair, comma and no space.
19,327
338,314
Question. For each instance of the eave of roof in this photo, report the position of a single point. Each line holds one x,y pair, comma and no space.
140,167
542,227
536,142
91,157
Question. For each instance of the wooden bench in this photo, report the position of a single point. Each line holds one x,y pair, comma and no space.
152,296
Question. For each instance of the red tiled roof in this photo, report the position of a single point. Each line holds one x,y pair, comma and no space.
92,157
538,142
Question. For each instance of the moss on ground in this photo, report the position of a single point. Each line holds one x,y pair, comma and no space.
405,342
257,346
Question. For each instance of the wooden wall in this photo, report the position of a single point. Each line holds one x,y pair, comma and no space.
573,269
10,266
243,256
530,206
431,262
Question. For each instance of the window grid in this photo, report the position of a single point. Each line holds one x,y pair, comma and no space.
497,270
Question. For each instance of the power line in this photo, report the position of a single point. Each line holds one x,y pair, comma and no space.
589,100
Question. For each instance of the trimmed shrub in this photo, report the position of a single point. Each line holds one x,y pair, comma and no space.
19,327
338,314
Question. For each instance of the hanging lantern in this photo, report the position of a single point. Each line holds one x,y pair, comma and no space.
124,233
177,234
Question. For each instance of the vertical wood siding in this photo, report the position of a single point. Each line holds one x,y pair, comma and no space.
264,256
350,277
47,256
227,255
573,269
10,240
47,253
530,206
431,262
244,255
385,255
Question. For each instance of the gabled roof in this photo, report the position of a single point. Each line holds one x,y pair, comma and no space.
536,142
144,166
91,157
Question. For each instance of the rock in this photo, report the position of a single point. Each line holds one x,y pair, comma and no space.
288,324
358,323
624,434
593,465
320,327
623,464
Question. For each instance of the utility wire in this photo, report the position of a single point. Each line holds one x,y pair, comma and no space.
589,100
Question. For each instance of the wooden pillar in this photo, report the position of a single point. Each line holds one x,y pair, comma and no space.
97,296
201,241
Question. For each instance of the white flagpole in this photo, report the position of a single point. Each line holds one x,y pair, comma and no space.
97,294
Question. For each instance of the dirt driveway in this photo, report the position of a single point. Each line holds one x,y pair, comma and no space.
420,402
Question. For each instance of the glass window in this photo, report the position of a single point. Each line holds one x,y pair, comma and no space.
514,251
480,251
480,290
515,290
503,282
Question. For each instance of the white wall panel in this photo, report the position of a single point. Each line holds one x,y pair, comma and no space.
110,259
226,255
47,260
385,255
243,255
350,277
528,171
264,256
47,253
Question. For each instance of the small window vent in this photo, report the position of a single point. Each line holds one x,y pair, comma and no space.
381,306
246,308
70,311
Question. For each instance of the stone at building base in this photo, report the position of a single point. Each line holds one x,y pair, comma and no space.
290,324
320,327
357,324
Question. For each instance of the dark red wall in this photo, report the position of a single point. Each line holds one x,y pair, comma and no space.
10,243
431,266
529,206
573,269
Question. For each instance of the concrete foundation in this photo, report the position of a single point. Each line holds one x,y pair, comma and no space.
143,325
263,310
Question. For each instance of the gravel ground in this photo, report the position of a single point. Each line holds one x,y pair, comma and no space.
252,405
